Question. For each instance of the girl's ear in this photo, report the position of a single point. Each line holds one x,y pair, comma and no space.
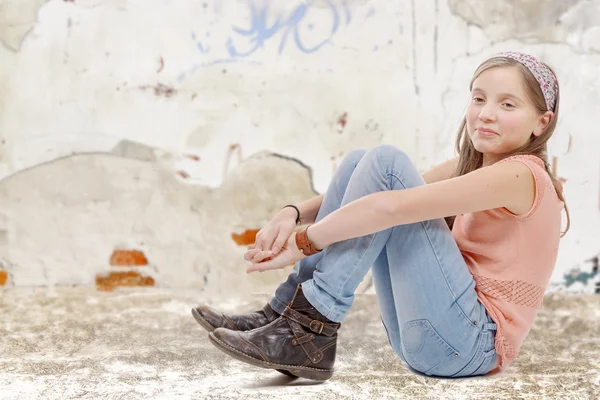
543,123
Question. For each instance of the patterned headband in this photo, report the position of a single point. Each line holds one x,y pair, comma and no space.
544,77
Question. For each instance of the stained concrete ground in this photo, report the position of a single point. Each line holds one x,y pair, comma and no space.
67,343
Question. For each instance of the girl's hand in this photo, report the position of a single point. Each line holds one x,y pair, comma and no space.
267,260
273,236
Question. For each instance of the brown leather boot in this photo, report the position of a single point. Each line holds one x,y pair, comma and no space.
301,341
211,319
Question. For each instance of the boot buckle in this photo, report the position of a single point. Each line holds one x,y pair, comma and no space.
319,328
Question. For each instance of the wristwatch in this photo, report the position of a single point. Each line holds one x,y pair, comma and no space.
304,244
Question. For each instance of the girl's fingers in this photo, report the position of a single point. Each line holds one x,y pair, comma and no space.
279,243
262,255
249,255
260,267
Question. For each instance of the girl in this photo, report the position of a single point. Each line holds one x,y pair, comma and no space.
454,302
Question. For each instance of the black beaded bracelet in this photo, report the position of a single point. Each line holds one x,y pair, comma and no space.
298,211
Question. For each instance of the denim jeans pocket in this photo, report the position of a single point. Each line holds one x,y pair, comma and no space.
423,348
489,359
482,359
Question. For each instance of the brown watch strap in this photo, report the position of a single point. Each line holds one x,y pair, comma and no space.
304,244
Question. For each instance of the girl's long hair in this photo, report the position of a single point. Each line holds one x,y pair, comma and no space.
470,159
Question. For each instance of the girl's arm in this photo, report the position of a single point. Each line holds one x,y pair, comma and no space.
440,172
309,209
508,184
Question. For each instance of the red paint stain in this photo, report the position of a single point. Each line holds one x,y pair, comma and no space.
246,238
342,121
232,147
182,174
160,90
192,157
128,258
116,279
3,278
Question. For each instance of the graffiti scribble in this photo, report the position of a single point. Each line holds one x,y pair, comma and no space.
260,31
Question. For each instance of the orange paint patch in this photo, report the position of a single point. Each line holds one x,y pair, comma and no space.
128,258
3,278
116,279
246,238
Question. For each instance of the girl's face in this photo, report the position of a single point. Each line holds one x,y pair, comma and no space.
500,115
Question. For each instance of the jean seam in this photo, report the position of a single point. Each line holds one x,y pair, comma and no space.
426,229
435,252
340,290
478,353
329,313
278,303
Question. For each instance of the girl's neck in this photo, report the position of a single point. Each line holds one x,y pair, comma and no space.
489,159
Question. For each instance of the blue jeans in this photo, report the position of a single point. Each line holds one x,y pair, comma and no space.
426,294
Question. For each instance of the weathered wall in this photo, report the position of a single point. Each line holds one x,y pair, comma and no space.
167,97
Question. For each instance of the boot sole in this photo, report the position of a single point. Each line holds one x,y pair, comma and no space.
293,370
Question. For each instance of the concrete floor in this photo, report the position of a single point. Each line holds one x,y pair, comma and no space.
67,343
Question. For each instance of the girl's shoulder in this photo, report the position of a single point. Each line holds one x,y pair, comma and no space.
544,186
536,165
525,158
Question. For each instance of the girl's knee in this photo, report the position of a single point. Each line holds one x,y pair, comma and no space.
387,156
388,151
351,159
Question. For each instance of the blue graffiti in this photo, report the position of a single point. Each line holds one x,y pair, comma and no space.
203,49
260,31
578,276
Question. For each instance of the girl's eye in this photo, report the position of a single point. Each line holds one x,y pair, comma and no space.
509,105
477,100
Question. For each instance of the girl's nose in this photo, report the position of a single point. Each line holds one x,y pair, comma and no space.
487,113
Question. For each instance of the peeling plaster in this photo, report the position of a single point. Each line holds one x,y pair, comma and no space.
17,19
172,95
533,21
65,218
